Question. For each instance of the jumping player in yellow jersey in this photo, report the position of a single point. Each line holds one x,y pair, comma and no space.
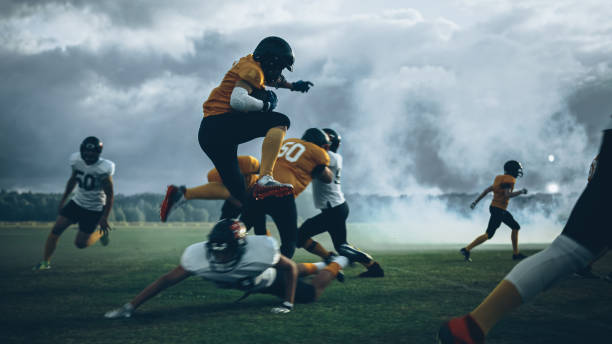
213,190
502,189
240,109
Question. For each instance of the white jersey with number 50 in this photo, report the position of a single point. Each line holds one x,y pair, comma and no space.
89,193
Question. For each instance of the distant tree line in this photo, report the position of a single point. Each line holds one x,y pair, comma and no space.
27,206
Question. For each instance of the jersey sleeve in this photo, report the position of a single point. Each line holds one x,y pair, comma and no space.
74,158
250,73
108,168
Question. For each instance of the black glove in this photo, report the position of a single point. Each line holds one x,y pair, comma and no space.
301,86
270,101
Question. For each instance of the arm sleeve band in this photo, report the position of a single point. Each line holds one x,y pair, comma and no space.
241,101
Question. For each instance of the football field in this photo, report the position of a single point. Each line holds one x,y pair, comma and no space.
423,286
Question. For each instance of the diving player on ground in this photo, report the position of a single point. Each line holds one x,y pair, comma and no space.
252,264
240,110
586,234
90,205
328,197
502,189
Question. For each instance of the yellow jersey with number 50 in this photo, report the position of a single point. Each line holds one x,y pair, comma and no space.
246,69
296,161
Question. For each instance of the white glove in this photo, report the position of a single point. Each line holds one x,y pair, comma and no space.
124,311
284,307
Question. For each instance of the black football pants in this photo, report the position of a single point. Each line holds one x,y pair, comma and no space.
589,222
284,214
220,135
331,220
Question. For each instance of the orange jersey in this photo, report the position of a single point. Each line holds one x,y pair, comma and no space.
296,161
246,69
249,167
501,183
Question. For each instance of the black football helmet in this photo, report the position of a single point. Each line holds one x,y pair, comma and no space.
274,54
226,244
91,148
334,138
513,168
316,136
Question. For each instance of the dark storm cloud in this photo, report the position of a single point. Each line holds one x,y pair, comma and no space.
43,121
416,99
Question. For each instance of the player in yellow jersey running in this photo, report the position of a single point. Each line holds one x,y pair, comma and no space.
502,189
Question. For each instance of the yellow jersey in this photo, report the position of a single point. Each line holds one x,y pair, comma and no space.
246,69
296,161
501,183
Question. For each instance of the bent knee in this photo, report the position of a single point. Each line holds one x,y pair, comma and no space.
282,121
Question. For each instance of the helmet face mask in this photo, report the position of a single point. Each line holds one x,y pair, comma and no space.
90,149
513,168
226,244
334,139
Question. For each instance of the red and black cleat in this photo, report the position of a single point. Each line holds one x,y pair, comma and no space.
174,197
266,187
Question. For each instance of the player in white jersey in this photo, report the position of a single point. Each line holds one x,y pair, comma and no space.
91,203
253,264
328,197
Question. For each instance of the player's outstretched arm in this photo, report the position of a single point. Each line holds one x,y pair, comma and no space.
481,196
289,271
517,193
164,282
298,86
70,184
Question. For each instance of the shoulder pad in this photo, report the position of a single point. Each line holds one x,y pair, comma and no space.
74,158
107,167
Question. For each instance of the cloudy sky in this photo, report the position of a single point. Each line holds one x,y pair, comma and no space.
429,97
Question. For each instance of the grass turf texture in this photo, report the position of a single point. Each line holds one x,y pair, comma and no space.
422,287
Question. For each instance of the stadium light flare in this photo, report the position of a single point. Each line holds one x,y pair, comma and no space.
552,187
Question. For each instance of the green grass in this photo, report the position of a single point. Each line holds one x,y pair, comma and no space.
423,287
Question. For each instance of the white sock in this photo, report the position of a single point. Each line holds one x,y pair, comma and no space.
320,265
340,260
